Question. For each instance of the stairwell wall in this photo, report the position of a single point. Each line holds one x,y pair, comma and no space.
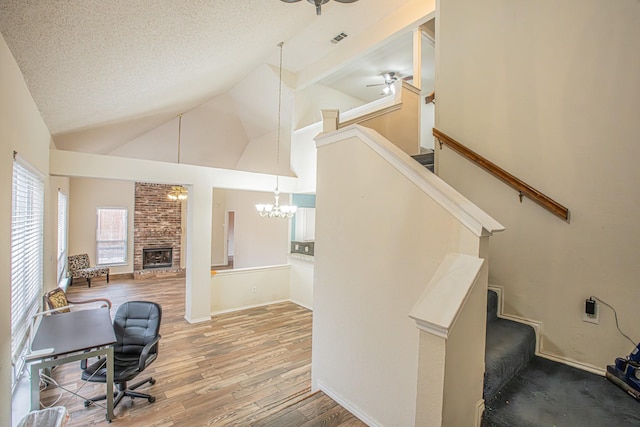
379,239
535,88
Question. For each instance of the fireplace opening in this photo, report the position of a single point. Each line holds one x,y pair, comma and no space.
157,257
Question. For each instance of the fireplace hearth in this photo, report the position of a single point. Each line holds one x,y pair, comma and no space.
157,258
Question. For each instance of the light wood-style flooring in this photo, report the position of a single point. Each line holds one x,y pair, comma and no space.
248,368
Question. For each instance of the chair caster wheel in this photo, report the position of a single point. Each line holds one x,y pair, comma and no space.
87,403
152,381
151,399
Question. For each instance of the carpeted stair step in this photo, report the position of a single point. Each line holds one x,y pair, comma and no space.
492,306
510,346
548,393
425,159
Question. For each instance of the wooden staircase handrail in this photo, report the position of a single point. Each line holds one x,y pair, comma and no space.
522,187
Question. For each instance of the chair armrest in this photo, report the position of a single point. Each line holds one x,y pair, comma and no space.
144,355
106,301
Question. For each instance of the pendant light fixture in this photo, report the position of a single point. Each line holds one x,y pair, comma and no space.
318,3
178,193
276,210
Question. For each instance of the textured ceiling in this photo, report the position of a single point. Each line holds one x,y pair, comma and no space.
94,63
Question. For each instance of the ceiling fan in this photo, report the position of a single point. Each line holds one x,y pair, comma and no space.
319,3
389,83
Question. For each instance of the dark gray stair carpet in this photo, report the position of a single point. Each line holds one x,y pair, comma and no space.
492,306
548,393
510,346
425,159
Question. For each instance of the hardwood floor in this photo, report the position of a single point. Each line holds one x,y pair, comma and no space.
249,368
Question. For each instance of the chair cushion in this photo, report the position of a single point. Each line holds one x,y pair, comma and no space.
125,368
77,262
56,299
88,273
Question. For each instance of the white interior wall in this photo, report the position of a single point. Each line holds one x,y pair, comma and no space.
22,129
549,91
257,241
301,280
211,134
371,265
428,83
218,227
85,196
309,102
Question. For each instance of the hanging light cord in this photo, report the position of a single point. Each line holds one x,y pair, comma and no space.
279,114
179,133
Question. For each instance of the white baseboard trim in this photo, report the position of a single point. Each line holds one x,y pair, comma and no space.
301,304
479,412
538,327
197,320
347,405
246,307
573,363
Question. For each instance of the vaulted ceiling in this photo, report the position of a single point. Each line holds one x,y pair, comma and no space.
106,72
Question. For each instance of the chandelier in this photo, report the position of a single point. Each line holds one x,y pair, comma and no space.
276,210
178,193
318,3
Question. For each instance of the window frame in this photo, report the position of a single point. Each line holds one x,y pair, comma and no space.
63,234
125,241
27,256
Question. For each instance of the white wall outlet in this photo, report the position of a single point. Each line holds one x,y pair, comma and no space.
592,318
253,290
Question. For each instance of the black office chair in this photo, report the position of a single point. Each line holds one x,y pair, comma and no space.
137,328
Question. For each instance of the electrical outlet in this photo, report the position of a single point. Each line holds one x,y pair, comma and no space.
591,318
253,290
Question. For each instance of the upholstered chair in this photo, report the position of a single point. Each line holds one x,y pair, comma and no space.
80,267
57,300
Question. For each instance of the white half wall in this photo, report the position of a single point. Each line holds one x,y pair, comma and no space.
301,280
379,240
238,289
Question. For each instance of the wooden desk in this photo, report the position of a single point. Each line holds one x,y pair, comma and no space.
73,336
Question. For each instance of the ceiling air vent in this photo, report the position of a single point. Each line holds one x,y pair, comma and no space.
339,38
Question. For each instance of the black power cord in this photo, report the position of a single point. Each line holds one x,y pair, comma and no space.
634,343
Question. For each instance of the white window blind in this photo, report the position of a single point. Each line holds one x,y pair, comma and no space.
63,202
27,220
111,236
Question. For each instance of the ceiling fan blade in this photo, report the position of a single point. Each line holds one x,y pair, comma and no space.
290,1
346,1
379,84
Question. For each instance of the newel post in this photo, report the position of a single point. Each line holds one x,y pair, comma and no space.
450,315
330,120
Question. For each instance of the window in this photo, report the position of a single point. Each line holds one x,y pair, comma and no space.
62,234
111,236
27,224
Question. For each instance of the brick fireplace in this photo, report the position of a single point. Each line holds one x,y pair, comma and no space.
157,230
